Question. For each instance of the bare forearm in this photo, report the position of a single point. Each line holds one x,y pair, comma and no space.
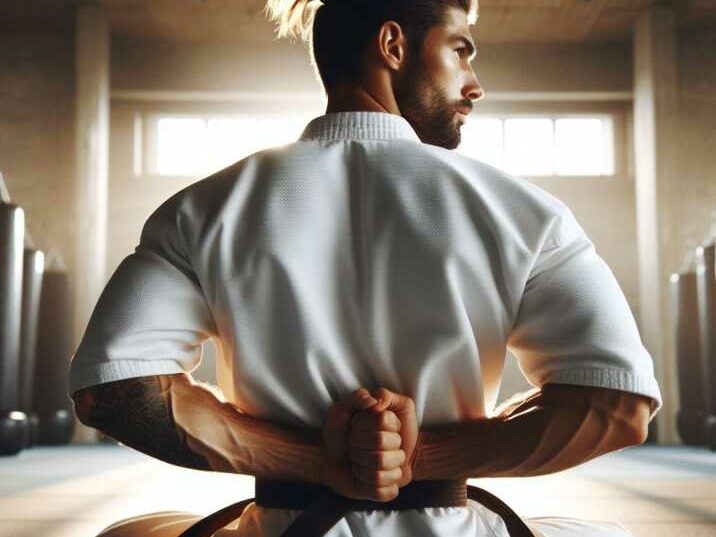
179,421
551,431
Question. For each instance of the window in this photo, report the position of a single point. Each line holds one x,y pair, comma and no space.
193,145
196,145
542,146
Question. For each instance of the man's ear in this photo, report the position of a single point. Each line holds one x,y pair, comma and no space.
391,45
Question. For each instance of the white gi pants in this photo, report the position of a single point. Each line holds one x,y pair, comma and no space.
473,521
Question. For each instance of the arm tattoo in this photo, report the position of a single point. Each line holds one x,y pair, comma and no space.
137,412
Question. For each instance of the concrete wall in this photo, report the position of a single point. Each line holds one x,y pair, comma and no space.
696,201
37,133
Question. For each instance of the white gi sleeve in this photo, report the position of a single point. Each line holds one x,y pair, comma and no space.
151,318
574,324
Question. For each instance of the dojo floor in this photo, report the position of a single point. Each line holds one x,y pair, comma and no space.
75,491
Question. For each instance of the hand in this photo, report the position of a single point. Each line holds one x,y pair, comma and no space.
371,438
337,471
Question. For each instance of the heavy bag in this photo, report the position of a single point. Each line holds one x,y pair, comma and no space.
32,271
693,395
13,422
706,285
54,350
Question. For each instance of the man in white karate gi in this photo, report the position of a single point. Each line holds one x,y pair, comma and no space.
363,285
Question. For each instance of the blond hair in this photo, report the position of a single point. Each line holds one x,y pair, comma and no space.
294,18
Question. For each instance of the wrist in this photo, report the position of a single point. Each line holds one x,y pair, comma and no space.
316,465
418,457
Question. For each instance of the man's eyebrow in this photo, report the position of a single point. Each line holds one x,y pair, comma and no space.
468,43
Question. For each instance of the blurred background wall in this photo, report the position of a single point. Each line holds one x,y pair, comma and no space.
221,57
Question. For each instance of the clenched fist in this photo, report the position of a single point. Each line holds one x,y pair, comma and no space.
370,443
375,435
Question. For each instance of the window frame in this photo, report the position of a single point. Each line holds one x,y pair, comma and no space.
147,115
617,112
146,120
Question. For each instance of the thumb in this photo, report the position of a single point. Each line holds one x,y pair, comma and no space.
387,400
341,412
360,399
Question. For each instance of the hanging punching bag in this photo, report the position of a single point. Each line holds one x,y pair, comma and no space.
706,284
693,396
54,350
33,269
13,423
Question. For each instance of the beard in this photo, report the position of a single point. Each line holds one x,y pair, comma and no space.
423,104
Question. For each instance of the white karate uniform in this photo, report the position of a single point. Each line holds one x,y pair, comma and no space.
360,257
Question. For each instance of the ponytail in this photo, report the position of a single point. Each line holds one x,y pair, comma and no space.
293,18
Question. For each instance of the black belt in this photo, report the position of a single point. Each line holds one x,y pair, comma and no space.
275,494
322,508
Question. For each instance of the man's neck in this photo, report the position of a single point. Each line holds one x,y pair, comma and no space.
354,98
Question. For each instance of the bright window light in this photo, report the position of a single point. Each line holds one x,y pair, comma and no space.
199,146
542,146
228,139
181,146
196,146
528,146
482,139
583,146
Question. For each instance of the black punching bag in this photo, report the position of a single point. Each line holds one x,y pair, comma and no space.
706,283
32,271
14,428
54,350
693,386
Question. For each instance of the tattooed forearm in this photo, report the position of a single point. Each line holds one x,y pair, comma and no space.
138,413
180,421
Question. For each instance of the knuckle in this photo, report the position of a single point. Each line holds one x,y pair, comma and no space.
386,419
393,418
385,494
375,494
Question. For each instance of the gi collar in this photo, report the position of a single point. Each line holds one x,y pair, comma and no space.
359,125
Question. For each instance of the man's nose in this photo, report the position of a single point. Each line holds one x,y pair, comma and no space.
473,90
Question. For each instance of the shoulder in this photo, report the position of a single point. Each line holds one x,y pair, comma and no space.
482,175
183,217
539,217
